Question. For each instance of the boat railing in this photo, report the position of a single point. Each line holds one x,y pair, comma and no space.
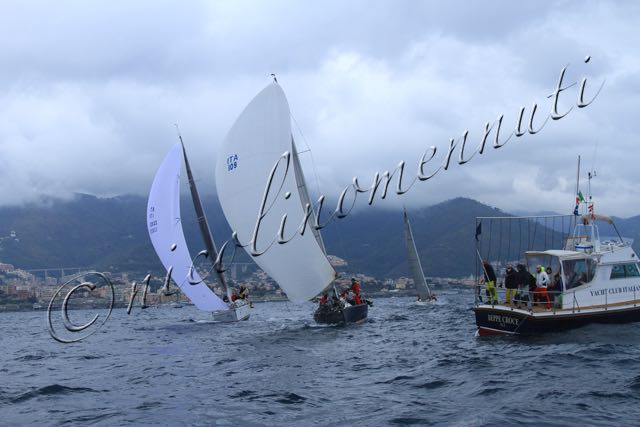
532,302
523,298
604,303
575,303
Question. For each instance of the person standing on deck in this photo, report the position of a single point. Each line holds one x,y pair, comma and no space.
355,288
324,298
490,282
542,281
345,298
557,280
511,283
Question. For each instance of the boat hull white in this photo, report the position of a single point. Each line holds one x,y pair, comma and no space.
425,303
235,314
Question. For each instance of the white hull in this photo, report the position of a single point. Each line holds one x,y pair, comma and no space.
240,312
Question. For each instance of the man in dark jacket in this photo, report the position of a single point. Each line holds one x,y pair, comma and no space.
490,282
511,283
526,283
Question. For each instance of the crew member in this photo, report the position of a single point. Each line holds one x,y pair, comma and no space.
324,298
490,282
542,281
511,283
244,292
355,288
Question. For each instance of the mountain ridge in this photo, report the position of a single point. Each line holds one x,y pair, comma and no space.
110,234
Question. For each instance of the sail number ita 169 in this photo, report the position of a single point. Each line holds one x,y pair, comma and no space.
232,162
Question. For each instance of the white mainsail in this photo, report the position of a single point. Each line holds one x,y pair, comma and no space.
424,293
258,138
165,230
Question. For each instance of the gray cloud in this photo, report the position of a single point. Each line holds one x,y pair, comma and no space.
89,92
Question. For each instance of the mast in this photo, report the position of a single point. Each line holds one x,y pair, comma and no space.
205,230
304,194
305,199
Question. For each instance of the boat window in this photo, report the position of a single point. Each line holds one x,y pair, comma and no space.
620,271
617,271
578,271
631,270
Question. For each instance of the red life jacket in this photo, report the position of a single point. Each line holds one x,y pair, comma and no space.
355,287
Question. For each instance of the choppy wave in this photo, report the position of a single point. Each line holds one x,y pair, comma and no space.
408,365
51,390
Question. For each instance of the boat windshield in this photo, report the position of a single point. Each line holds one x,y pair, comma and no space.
547,261
578,272
551,266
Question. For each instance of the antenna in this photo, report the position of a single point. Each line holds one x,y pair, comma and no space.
577,177
576,209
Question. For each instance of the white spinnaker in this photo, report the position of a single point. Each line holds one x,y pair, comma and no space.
414,262
165,230
258,138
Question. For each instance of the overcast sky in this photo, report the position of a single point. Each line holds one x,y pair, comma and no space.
89,93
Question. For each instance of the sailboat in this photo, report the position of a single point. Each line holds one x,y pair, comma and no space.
176,303
258,139
425,295
164,224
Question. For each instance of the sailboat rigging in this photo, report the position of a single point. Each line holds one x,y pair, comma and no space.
164,224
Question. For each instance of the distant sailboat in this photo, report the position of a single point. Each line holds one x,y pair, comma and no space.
422,288
164,224
259,137
176,303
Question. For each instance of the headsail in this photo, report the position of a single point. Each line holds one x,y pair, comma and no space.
414,262
165,230
259,137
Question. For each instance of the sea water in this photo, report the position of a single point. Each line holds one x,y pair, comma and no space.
408,365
